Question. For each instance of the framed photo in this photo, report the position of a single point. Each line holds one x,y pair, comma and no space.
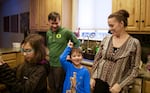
14,23
24,22
6,23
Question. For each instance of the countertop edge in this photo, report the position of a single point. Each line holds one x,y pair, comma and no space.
9,50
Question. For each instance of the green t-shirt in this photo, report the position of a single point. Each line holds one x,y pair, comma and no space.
57,42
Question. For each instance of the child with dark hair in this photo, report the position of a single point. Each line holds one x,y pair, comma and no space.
31,76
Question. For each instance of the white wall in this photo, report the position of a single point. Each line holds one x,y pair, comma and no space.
10,7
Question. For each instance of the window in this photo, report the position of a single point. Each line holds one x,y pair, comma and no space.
92,18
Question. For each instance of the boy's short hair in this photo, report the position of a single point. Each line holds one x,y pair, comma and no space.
77,50
53,16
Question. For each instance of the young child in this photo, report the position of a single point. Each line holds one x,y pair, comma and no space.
77,78
31,75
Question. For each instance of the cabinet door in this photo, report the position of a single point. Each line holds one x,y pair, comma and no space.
34,14
39,11
67,13
10,59
146,86
20,58
133,7
137,86
56,5
43,20
46,7
145,14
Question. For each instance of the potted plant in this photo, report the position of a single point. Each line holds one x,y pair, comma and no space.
89,50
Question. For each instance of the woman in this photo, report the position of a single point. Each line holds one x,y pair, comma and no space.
116,64
29,77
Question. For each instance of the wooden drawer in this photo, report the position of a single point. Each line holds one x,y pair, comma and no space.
9,56
10,59
137,86
146,86
11,63
20,58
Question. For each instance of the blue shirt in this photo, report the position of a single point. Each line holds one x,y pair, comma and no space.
82,74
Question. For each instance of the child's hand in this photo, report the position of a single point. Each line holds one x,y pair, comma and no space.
68,57
70,44
1,61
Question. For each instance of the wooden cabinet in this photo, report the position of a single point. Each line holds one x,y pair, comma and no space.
39,10
13,59
146,86
10,59
136,87
20,58
138,21
34,14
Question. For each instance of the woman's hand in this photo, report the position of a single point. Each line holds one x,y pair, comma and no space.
70,44
92,83
115,88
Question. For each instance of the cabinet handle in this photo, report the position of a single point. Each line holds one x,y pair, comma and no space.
136,21
142,21
139,21
47,23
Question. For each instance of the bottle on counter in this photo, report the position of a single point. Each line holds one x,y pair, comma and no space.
148,63
97,47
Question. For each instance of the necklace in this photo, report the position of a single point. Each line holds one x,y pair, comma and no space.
115,50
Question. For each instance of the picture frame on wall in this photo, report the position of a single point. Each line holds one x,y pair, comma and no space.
6,22
14,23
24,22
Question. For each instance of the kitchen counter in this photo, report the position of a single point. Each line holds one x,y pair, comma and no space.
9,50
87,62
